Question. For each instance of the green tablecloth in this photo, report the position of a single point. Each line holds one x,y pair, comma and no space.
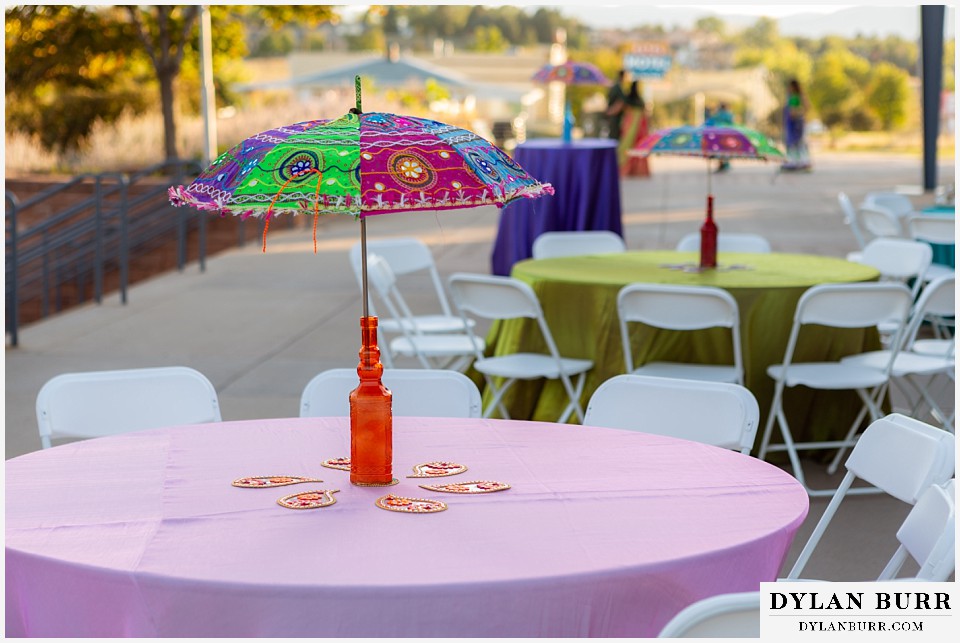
579,299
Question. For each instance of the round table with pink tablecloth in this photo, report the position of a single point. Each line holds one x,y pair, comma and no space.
602,533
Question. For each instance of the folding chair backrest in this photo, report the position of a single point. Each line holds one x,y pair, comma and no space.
406,255
903,456
716,413
722,616
727,242
899,259
416,392
677,307
576,242
898,204
927,535
939,298
850,218
931,229
880,222
853,305
100,403
494,297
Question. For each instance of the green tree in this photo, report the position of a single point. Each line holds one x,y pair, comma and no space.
711,24
763,33
133,43
489,39
837,86
887,94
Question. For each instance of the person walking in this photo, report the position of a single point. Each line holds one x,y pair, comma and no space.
616,103
723,116
794,118
633,130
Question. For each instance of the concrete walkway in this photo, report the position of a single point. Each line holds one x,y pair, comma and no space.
261,325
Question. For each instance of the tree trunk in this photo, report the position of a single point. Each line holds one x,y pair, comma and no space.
167,108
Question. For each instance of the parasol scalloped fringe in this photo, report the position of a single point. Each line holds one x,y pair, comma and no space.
180,196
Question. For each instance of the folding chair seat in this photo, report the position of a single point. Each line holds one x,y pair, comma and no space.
898,455
683,308
416,392
853,305
440,350
501,298
576,242
717,413
726,242
937,298
409,256
100,403
722,616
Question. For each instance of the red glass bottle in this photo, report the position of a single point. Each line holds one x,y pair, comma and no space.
708,238
371,415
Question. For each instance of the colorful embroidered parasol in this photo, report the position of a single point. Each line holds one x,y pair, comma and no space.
709,142
571,73
361,165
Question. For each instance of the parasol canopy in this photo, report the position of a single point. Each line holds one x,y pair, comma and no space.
709,141
571,73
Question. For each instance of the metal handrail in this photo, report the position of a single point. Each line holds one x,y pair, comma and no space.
78,244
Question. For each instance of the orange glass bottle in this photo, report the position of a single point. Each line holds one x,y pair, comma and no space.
371,415
708,238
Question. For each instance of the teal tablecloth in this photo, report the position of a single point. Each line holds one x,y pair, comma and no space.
942,254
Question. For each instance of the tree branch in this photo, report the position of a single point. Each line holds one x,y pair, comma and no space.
189,17
142,34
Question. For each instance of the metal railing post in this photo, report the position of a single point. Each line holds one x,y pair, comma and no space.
124,241
98,242
13,296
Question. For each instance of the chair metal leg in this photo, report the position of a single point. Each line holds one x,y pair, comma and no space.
574,395
498,393
871,407
764,443
821,527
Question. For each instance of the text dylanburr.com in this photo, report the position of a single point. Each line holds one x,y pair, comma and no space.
792,611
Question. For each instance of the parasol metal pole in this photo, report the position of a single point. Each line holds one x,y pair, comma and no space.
363,262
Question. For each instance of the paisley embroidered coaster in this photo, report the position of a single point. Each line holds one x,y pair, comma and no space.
477,486
437,469
410,505
337,463
309,499
256,482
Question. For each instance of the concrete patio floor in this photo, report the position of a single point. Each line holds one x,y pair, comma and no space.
261,325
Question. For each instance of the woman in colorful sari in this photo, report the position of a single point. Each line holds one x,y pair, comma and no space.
634,130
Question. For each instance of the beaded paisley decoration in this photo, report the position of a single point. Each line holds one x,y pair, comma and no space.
337,463
309,499
437,469
477,486
259,482
410,505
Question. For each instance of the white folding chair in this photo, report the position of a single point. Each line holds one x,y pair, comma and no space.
897,455
853,305
927,536
409,256
722,616
726,242
682,308
880,222
416,392
576,242
717,413
937,298
898,204
850,219
439,350
938,230
500,298
100,403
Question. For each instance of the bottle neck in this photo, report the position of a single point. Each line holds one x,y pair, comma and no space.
369,350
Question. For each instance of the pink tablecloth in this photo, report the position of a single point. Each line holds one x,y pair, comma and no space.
604,533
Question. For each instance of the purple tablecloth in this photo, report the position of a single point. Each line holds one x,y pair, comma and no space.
603,533
586,178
